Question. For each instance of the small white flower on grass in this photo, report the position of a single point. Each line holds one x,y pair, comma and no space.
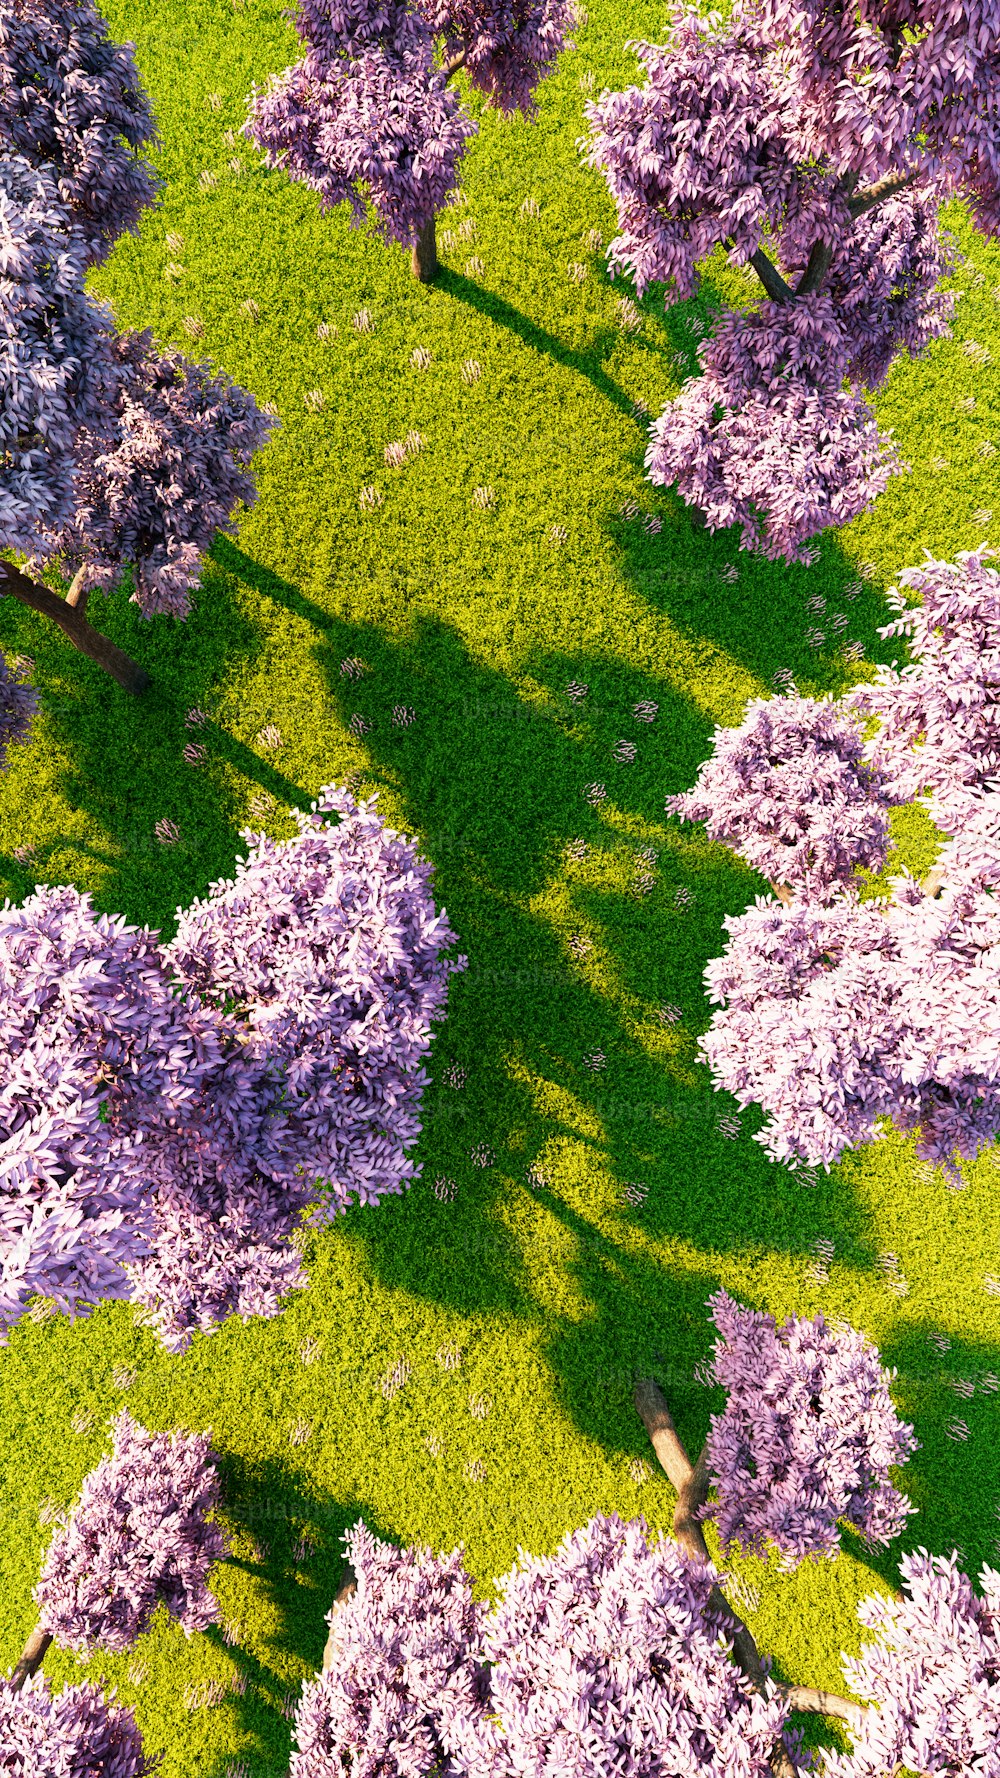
450,1358
414,441
476,1471
370,498
576,692
576,272
403,715
448,239
479,1406
729,1126
122,1377
624,752
639,1471
466,229
396,1378
472,370
482,1155
172,270
420,358
986,449
310,1350
839,622
167,832
303,1547
557,534
362,322
444,1189
938,464
313,400
817,604
581,17
963,1386
230,138
595,793
353,668
484,499
940,1342
642,410
232,1632
991,1284
784,681
207,179
868,570
269,407
855,651
579,945
49,1512
23,854
815,638
42,1309
82,1422
982,515
645,880
652,525
300,1433
269,737
704,1373
594,239
577,851
432,1443
975,350
195,753
536,1177
395,455
853,590
194,326
595,1061
587,83
629,316
455,1076
236,165
530,207
629,509
213,101
358,725
325,331
730,573
683,897
745,1597
646,710
137,1673
989,1384
635,1194
195,718
288,1704
474,267
958,1430
669,1015
251,308
260,806
175,241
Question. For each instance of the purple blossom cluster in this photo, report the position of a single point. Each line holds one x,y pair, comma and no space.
138,1537
370,104
160,470
74,1733
806,1439
827,141
790,792
609,1655
932,1676
18,704
167,1114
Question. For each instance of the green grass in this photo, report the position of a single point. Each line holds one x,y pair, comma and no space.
557,1292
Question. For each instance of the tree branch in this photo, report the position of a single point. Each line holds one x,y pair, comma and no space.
35,1650
454,63
818,264
74,624
885,188
78,594
348,1585
771,278
820,1703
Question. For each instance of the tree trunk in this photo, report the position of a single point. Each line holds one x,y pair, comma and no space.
348,1585
70,615
425,259
35,1650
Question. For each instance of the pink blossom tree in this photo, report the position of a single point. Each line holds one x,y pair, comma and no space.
370,109
816,142
114,455
167,1113
75,1732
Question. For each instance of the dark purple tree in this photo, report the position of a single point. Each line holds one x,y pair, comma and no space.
114,455
816,142
168,1114
369,110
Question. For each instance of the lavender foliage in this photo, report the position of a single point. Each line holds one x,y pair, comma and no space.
806,1439
18,704
932,1677
407,1674
138,1537
73,100
370,107
160,470
790,792
760,133
54,353
74,1733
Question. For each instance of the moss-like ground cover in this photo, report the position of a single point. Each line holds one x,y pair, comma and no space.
518,1247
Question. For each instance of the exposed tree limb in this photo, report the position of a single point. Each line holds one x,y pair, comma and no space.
73,623
34,1652
883,189
817,266
454,63
771,278
820,1703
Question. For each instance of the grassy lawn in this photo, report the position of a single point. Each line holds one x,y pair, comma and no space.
561,1075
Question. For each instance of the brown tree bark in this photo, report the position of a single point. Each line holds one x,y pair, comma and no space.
35,1650
424,260
70,615
348,1585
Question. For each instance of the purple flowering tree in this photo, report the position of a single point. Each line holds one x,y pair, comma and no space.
75,1733
816,143
114,455
139,1536
841,1011
167,1114
370,109
790,792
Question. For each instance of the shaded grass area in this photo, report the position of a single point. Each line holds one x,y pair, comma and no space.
572,1037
